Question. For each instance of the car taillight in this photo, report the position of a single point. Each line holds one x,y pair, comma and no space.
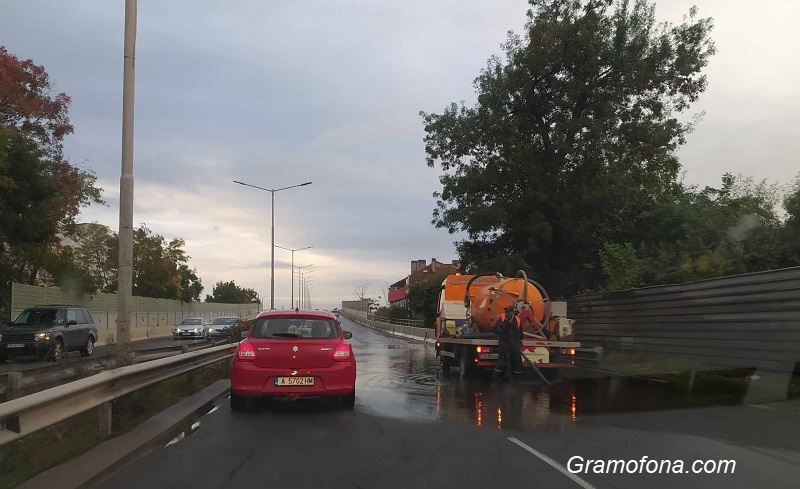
246,352
342,352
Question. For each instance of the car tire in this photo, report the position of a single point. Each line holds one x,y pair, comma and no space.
349,401
58,352
238,403
88,349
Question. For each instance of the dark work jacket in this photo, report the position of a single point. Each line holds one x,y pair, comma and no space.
509,335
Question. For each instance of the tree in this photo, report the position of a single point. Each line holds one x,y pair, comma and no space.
360,289
96,244
573,138
26,102
423,298
230,293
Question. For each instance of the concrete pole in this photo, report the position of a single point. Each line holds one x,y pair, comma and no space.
272,275
125,265
292,279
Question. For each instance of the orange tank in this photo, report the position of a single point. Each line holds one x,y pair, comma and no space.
490,302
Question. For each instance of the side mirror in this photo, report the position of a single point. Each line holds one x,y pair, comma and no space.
244,335
347,335
72,322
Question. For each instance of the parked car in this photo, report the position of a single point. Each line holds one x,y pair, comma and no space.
294,354
189,328
219,327
50,332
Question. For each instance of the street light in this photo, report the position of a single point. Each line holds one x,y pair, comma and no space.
303,277
293,250
299,275
272,191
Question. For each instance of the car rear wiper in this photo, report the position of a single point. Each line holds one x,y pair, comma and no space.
286,335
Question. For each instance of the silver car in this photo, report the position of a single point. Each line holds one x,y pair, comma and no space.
189,328
220,326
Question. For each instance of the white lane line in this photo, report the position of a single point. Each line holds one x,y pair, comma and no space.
552,463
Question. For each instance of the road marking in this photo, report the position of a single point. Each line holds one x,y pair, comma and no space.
552,463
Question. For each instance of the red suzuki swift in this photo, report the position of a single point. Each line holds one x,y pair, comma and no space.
294,354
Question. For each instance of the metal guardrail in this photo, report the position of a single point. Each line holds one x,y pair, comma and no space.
403,322
423,334
26,415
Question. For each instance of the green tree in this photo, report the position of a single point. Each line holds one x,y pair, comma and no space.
423,298
572,140
230,293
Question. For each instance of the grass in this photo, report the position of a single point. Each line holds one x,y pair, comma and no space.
24,458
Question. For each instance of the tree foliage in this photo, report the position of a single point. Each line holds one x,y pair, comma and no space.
573,138
230,293
423,297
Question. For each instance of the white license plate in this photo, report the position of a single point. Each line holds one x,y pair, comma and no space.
292,381
186,334
488,356
538,354
15,345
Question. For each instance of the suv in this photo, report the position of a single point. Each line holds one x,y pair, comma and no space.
50,332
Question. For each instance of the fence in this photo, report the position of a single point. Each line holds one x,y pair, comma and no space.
150,317
750,320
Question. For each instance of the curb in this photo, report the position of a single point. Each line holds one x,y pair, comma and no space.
101,461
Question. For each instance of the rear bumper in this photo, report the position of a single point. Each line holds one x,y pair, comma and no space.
251,381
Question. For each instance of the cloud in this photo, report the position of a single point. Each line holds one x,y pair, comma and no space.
277,93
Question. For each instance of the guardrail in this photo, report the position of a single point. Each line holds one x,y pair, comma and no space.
31,380
418,323
422,334
26,415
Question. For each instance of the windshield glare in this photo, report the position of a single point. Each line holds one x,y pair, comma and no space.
224,321
31,317
191,322
310,328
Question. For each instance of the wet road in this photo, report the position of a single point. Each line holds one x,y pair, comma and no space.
413,428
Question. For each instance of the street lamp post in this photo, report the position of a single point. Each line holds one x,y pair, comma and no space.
298,279
272,275
293,250
301,295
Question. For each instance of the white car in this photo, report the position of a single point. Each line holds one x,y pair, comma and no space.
189,328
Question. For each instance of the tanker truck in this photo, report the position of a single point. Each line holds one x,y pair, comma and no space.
469,307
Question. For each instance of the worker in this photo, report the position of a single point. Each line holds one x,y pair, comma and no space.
509,339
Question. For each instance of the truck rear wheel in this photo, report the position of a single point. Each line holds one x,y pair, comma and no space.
446,363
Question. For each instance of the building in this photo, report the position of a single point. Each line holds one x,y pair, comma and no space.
420,271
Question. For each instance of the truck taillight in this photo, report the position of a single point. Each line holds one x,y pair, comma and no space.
572,351
342,352
478,349
246,352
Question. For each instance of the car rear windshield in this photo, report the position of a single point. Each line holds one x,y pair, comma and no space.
39,317
309,328
192,322
224,321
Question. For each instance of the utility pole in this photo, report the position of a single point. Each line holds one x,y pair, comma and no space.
125,266
291,304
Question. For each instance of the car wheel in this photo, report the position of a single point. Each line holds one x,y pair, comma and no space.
238,403
88,349
349,401
58,351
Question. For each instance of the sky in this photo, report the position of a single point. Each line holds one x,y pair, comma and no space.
283,92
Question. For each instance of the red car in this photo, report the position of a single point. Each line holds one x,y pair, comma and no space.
294,354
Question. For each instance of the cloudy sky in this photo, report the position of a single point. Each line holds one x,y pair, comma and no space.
281,92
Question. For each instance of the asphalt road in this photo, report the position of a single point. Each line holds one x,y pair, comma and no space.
413,428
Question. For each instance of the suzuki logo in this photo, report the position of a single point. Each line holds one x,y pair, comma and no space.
294,348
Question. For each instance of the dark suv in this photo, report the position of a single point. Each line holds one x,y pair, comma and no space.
50,332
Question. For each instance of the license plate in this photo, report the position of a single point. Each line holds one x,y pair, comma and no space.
15,345
488,356
186,334
292,381
538,354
